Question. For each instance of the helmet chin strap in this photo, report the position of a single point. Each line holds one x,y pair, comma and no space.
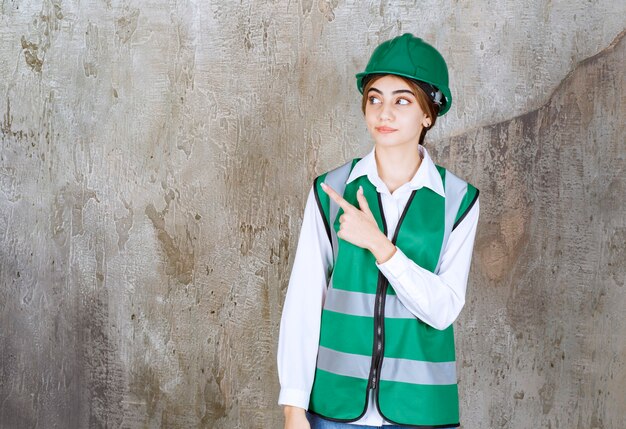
435,95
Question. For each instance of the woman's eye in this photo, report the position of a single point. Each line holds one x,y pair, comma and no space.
403,101
374,100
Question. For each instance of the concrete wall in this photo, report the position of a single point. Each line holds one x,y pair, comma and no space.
154,162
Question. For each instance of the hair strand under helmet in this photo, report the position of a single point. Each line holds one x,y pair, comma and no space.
411,57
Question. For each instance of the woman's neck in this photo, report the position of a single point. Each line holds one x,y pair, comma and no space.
397,165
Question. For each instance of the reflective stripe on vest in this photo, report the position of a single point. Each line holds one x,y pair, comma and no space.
401,370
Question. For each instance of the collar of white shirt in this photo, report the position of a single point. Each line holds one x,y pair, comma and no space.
426,175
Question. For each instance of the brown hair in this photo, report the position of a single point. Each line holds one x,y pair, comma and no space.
425,103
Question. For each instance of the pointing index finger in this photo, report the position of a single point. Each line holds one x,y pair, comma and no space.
337,198
362,201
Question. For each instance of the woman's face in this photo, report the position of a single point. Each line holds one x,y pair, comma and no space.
392,113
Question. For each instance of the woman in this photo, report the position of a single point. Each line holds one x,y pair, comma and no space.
383,258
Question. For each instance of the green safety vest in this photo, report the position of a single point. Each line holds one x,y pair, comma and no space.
368,339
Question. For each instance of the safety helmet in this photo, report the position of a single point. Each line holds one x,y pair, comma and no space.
411,57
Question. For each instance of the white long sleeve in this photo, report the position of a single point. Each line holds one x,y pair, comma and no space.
301,318
436,299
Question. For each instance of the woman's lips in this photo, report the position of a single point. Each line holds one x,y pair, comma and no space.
385,130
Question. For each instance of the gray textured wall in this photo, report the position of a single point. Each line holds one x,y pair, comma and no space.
154,162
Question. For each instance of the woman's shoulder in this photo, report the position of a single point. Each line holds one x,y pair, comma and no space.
449,176
343,169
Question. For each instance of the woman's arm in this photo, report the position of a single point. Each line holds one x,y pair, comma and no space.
436,299
300,323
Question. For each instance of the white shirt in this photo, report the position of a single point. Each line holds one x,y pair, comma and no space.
436,299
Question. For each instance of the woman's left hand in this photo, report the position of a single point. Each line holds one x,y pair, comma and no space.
358,226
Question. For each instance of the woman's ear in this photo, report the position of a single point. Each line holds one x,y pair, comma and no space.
427,122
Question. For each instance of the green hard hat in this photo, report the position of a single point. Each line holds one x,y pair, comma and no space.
411,57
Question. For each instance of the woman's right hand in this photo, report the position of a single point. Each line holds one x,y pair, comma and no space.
295,418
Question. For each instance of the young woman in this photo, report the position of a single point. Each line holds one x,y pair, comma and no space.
380,273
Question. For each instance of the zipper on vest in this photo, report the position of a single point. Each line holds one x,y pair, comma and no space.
379,315
379,307
379,330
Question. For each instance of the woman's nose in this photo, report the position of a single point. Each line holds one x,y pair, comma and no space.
386,112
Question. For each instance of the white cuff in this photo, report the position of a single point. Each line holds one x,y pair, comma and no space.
395,266
294,397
